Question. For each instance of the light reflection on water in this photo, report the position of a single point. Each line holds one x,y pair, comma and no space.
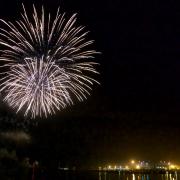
128,176
102,175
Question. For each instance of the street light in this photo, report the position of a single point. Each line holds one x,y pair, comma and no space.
137,166
132,162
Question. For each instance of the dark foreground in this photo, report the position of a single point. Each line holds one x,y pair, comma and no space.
88,175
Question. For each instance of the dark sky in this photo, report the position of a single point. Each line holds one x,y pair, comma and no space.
134,113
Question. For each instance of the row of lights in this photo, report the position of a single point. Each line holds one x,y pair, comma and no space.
134,165
137,166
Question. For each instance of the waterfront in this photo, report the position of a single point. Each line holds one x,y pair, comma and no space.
95,175
52,174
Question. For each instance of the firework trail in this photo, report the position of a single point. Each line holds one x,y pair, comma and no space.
45,63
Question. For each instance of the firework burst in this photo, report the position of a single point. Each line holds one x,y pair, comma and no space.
46,63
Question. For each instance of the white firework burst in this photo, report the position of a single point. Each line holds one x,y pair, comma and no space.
45,63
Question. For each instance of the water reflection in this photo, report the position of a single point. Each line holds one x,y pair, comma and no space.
139,177
100,176
133,176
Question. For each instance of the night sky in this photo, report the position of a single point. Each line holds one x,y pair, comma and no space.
135,112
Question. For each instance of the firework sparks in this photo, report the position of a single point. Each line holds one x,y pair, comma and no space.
46,63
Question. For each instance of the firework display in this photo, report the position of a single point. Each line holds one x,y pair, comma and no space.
46,63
